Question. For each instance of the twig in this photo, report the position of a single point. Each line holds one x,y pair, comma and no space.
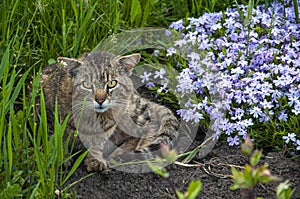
188,165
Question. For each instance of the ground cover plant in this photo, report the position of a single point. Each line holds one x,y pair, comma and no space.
34,33
243,64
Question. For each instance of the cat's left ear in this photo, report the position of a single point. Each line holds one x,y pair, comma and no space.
128,62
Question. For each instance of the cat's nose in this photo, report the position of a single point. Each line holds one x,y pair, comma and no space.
100,101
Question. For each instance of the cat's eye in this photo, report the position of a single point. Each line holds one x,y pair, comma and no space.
111,84
87,85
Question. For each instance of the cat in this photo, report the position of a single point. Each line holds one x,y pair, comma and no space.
112,119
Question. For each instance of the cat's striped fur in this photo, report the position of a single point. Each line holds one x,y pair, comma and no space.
111,117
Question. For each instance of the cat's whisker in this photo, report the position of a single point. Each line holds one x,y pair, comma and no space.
79,105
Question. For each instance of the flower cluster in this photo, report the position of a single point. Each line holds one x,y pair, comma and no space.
251,71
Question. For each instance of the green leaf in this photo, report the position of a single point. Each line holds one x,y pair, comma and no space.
11,191
51,61
43,128
135,10
296,10
249,13
194,189
248,176
158,170
37,186
179,194
254,159
191,155
239,10
9,143
170,156
147,11
66,189
234,187
284,191
247,146
76,165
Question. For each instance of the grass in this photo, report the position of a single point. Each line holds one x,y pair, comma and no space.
33,34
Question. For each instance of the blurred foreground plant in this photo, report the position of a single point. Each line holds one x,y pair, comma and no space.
254,174
158,167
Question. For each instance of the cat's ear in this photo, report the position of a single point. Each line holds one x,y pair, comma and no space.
70,65
128,62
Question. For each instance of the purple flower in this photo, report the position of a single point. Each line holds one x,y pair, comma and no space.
298,145
145,77
188,115
238,114
163,88
160,74
256,81
180,43
246,122
293,99
150,85
194,56
177,25
171,51
289,137
233,140
156,53
283,116
234,37
266,105
255,112
180,112
197,117
296,109
168,33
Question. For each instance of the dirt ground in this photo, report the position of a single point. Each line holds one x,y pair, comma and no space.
214,172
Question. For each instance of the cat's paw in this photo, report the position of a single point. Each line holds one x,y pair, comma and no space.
93,164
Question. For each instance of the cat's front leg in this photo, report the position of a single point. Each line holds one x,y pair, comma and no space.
95,161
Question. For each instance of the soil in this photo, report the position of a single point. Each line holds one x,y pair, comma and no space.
214,171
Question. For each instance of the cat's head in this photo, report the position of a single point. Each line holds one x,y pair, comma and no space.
101,80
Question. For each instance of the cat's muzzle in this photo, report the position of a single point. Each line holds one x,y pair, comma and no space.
100,108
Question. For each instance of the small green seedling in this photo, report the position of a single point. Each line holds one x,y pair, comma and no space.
284,191
254,174
158,167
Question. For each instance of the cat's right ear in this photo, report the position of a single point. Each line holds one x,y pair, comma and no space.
128,62
70,65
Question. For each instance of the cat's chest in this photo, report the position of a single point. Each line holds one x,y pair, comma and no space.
141,112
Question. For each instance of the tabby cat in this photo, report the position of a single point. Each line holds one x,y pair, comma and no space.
112,119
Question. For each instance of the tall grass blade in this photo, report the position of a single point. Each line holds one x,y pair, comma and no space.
43,128
296,9
66,189
7,176
18,87
147,11
4,68
75,166
9,143
239,11
247,20
33,194
135,11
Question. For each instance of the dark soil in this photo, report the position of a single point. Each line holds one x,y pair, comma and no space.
214,172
